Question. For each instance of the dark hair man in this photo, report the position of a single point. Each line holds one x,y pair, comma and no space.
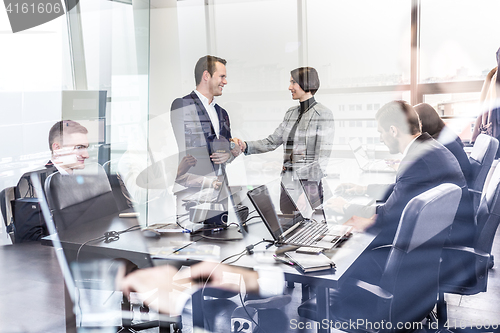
198,121
425,164
68,144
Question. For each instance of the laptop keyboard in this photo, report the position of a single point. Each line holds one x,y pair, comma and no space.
309,234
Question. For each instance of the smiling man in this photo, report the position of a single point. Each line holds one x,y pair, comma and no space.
68,144
200,125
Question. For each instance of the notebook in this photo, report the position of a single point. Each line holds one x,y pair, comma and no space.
310,262
364,162
290,229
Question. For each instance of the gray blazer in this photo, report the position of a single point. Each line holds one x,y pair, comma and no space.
313,138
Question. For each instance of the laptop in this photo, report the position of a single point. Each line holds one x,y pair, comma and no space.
364,162
290,229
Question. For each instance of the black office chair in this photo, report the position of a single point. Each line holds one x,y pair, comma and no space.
6,196
120,192
465,269
77,199
408,286
481,158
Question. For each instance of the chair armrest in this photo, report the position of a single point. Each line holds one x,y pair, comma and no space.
465,272
371,288
475,191
382,247
467,250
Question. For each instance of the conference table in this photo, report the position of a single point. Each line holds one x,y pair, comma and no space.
134,247
31,289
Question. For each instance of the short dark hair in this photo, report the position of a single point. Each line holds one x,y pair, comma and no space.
307,78
206,63
64,127
399,114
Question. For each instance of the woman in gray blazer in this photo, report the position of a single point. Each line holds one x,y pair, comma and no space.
307,130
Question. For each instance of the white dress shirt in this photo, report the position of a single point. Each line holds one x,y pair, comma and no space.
210,107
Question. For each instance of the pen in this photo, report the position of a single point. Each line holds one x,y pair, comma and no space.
283,260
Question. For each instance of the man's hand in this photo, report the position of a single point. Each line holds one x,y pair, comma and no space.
241,143
337,204
350,189
220,158
237,149
187,162
159,278
361,223
217,276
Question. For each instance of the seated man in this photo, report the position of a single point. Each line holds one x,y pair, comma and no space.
425,164
68,144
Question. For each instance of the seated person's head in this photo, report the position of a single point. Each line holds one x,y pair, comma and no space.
397,122
430,119
68,143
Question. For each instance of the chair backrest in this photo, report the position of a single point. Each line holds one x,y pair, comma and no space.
488,214
412,267
482,156
77,199
6,196
120,192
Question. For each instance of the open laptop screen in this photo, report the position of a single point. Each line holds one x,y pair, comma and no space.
261,199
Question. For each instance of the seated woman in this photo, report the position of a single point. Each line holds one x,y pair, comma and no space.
435,126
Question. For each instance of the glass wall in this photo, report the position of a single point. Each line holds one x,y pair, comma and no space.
142,55
35,67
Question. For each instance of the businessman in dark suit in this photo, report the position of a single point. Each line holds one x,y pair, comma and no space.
425,164
200,125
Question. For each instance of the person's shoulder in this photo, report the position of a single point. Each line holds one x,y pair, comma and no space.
293,109
323,111
221,108
181,102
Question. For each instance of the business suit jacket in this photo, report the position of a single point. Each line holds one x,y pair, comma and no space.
456,147
313,139
193,128
426,165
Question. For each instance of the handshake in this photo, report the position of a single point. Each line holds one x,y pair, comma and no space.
223,157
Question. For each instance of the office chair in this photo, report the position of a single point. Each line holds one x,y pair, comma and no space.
465,269
77,199
6,196
408,286
481,158
120,192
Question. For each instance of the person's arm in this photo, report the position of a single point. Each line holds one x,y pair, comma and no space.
270,143
325,133
177,111
268,281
